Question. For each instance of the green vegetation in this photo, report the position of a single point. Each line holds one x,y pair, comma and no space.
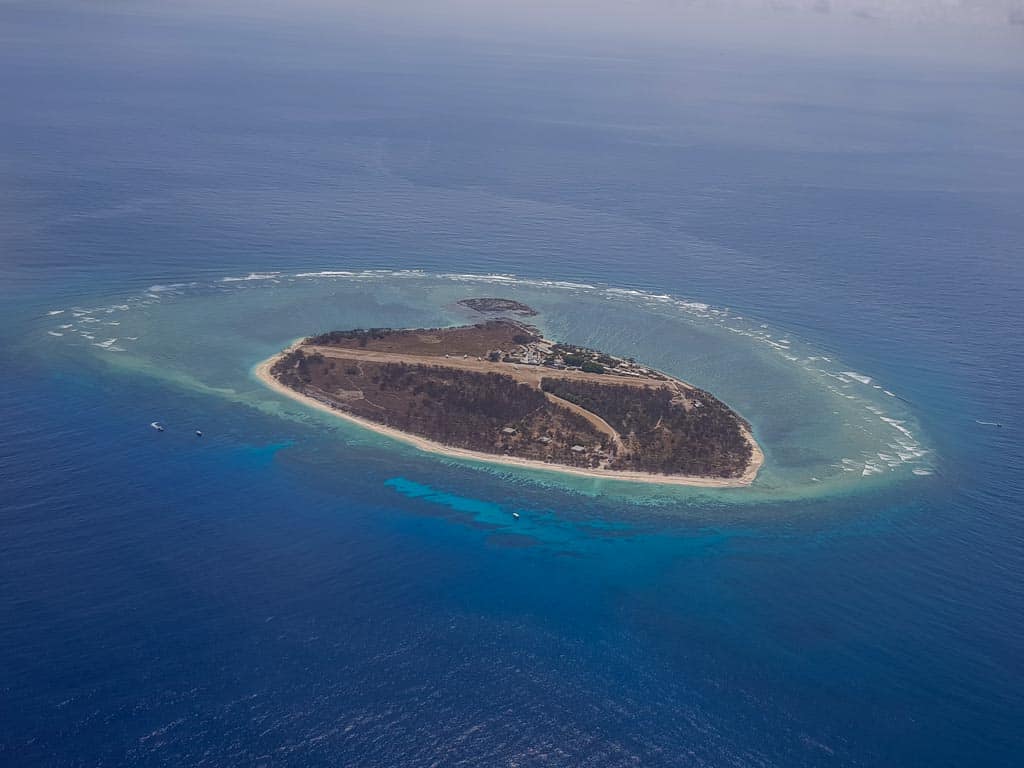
498,305
662,431
454,407
360,335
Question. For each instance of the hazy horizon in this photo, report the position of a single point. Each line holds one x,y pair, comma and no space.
987,32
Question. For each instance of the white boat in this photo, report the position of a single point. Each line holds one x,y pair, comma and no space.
515,515
199,433
157,426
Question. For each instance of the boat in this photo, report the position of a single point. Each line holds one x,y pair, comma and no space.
199,433
515,515
157,426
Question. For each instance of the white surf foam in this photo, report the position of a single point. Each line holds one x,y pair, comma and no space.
870,468
513,280
898,425
857,376
252,276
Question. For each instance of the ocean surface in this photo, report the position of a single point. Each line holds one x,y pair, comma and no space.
832,247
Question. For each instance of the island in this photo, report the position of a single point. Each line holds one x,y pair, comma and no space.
498,391
492,305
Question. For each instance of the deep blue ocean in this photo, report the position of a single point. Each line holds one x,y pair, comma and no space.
286,593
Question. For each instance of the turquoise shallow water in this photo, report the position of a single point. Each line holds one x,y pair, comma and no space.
824,428
798,234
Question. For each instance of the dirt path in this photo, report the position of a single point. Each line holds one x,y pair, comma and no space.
529,374
596,421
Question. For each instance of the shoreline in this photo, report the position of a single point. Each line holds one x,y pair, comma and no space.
262,373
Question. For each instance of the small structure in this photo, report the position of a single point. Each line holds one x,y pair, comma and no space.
577,449
508,431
